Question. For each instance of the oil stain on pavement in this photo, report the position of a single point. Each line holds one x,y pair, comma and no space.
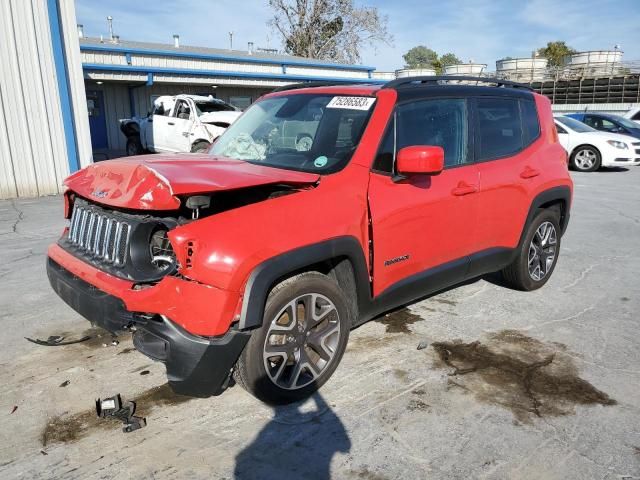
520,373
69,428
399,321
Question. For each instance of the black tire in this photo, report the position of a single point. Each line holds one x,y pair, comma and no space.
517,275
134,146
592,152
200,146
251,371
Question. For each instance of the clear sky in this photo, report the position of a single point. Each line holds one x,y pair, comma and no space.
478,30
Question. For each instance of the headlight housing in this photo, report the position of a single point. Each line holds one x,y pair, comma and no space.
618,144
161,251
152,255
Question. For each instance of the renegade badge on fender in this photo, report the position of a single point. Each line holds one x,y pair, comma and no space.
320,208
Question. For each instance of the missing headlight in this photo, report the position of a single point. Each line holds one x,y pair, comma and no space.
162,255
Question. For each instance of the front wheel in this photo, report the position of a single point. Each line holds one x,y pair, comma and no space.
134,146
586,159
300,343
200,147
538,254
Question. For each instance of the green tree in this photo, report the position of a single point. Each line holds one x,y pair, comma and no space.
555,52
446,60
420,57
327,29
423,57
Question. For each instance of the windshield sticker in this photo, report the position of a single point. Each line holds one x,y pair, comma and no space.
320,161
351,103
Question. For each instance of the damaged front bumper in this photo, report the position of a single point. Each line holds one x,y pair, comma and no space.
196,365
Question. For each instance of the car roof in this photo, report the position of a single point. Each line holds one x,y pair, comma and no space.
200,98
595,114
409,91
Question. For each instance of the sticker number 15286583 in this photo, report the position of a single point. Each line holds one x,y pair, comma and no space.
351,103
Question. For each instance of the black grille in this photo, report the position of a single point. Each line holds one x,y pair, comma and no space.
120,243
97,233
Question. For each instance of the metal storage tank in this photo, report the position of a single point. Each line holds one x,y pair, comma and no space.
522,69
594,63
472,69
415,72
383,75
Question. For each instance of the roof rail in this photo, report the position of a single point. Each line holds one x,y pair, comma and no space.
438,79
320,83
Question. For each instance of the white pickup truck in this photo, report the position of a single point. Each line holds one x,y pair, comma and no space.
181,123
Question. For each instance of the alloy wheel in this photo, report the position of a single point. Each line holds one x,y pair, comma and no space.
542,251
585,159
302,341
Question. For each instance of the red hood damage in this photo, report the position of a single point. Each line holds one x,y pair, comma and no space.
154,182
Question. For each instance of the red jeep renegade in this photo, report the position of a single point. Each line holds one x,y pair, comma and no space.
317,210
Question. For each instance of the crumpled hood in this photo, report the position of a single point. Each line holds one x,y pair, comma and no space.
228,116
154,182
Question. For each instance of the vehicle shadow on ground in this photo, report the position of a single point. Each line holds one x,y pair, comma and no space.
298,442
613,169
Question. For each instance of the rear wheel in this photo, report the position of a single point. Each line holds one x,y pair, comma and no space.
586,159
538,255
134,146
200,147
300,343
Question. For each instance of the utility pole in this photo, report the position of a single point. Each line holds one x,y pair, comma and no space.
230,40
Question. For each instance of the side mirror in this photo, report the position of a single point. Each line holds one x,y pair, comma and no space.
420,159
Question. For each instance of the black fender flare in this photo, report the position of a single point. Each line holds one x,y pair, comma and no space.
562,193
270,271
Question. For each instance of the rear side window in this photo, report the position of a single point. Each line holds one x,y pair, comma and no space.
530,123
500,129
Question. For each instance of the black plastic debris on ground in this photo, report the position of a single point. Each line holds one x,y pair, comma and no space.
56,341
113,407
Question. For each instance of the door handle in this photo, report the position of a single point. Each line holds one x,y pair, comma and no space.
170,123
185,134
529,172
464,188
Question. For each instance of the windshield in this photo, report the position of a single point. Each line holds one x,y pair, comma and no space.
309,133
575,125
208,107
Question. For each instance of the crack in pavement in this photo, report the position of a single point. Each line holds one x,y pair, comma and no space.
4,273
559,320
581,277
20,213
623,215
